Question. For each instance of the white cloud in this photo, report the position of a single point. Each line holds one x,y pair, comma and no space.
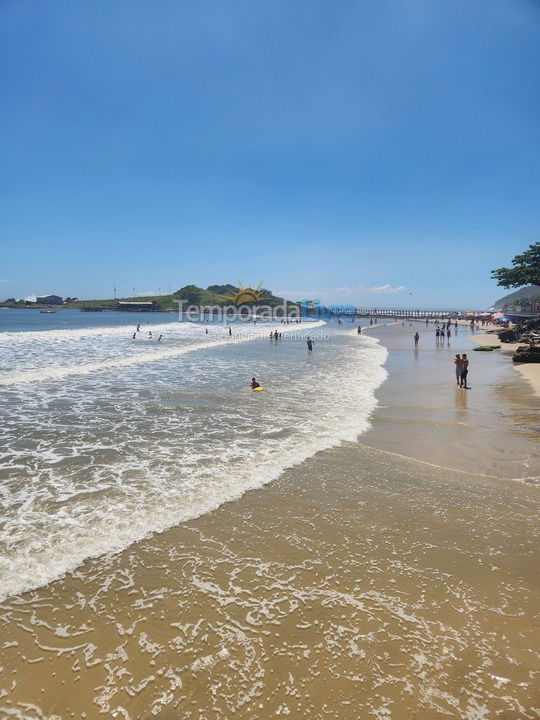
378,289
343,293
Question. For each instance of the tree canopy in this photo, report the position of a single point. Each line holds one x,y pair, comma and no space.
191,293
525,270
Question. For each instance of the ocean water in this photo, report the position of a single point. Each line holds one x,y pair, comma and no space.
105,440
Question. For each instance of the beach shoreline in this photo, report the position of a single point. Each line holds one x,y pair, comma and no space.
529,371
393,577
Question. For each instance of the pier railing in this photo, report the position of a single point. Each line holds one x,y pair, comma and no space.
397,314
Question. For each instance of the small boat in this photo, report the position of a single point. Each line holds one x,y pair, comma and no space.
47,311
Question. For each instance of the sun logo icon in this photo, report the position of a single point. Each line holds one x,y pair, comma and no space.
247,295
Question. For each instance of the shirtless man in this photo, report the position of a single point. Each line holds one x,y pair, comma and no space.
457,363
464,371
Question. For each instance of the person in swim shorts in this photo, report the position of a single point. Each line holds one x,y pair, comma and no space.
457,362
464,371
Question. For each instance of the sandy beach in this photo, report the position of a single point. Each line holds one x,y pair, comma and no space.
529,371
395,577
243,473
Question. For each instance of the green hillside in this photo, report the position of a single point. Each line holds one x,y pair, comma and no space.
194,295
524,293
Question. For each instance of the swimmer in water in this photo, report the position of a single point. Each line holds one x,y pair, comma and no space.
254,384
159,338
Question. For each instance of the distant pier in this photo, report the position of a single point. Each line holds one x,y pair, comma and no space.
353,313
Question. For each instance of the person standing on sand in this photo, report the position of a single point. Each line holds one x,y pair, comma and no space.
449,333
416,339
464,372
457,363
437,334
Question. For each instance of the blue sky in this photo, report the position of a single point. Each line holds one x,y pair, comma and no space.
378,152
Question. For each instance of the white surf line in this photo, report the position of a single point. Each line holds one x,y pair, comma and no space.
526,479
59,334
42,375
354,331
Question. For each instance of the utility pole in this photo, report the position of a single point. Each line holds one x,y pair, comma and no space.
133,291
115,292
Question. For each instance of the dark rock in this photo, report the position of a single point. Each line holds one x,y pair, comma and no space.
507,335
527,354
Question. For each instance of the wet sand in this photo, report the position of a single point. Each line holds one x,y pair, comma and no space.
529,371
361,584
493,428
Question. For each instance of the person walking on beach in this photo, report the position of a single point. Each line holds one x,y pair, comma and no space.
437,334
309,342
448,333
464,372
416,339
457,363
